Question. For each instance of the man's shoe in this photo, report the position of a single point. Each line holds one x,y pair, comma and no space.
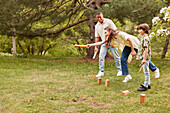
119,73
142,88
127,78
100,74
157,74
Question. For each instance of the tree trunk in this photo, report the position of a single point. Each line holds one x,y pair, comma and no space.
32,49
49,47
165,49
23,51
92,38
40,47
14,52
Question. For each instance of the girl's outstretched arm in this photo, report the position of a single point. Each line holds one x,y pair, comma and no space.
97,43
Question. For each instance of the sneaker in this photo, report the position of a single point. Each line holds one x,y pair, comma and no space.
127,78
119,73
157,74
142,88
149,87
100,74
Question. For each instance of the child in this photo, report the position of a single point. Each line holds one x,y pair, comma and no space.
131,46
144,54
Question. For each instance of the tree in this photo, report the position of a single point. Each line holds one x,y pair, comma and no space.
161,28
25,16
50,18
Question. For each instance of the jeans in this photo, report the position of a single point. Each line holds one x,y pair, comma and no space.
102,54
124,57
146,72
152,67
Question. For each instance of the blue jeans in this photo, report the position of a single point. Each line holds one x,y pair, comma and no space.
124,57
146,72
102,54
152,67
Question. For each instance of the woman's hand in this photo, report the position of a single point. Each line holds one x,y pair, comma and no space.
133,53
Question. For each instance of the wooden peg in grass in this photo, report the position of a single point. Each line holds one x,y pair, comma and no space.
107,83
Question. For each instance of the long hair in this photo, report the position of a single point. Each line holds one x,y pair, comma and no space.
112,35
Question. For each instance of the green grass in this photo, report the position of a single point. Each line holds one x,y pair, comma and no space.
49,85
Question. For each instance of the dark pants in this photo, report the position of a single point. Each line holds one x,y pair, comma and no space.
124,57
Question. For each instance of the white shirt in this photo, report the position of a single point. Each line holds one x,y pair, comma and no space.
122,39
99,28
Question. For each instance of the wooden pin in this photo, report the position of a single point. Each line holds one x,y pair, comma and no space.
126,92
142,98
99,80
141,67
107,83
92,75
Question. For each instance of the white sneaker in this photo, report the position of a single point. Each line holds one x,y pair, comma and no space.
119,73
157,74
100,74
127,78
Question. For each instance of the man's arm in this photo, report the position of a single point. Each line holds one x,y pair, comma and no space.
132,47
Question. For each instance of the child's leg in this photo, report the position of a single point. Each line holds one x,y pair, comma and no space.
124,57
152,67
147,74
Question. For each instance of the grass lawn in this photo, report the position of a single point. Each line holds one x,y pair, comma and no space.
49,85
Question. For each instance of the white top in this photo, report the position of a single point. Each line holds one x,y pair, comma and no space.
122,39
99,28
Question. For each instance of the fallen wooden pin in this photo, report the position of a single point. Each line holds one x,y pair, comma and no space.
126,92
107,83
99,80
142,98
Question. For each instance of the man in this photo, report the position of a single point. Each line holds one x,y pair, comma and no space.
99,33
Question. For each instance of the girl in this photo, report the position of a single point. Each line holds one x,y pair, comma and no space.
118,38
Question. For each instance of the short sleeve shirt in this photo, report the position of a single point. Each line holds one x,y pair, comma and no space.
144,42
99,28
122,39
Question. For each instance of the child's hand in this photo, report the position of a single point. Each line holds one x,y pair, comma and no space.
111,45
133,53
143,61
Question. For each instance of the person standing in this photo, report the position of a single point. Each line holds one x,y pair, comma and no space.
144,55
99,33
